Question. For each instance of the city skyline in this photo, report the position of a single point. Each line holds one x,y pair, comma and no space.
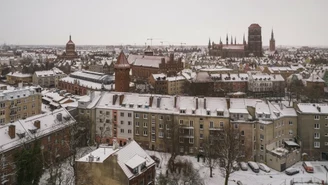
133,22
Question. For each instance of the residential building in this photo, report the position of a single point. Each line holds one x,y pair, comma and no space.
265,85
201,85
313,130
14,78
19,103
174,85
49,78
127,165
225,84
51,130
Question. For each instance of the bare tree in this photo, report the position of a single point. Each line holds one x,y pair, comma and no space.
210,152
230,150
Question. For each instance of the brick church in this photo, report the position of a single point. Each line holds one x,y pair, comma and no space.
70,52
252,48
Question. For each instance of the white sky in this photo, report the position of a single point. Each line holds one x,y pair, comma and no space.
111,22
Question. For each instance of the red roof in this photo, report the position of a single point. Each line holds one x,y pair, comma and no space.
122,62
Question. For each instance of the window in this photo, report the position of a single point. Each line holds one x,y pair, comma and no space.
326,125
137,124
160,126
100,120
182,111
137,115
316,144
262,127
107,112
161,117
242,142
290,123
201,136
168,118
316,126
107,120
145,116
261,136
49,138
137,131
316,117
161,134
181,149
129,115
100,112
326,117
221,125
191,140
129,122
181,139
145,132
145,124
211,124
129,131
242,133
201,126
191,150
262,148
193,111
122,130
236,125
200,119
191,123
208,113
181,122
219,113
316,135
153,116
290,132
122,122
326,134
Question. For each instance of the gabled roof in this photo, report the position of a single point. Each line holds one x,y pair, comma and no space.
122,62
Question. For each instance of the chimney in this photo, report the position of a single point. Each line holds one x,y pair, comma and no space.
151,98
158,102
59,117
121,98
12,131
175,101
319,108
37,124
90,157
228,103
204,103
115,144
196,103
114,98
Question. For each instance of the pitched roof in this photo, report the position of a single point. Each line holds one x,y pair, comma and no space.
122,62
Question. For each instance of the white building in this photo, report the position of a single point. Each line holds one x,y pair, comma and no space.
49,78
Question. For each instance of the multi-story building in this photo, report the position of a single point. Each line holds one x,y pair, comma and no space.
314,86
285,72
201,85
265,85
159,83
174,85
51,130
49,78
127,165
143,65
230,83
313,130
19,103
14,78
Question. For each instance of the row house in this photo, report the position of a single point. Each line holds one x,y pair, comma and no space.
19,103
51,130
265,85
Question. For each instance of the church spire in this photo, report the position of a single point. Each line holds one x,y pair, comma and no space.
227,40
244,41
235,41
272,36
209,43
220,41
70,37
231,40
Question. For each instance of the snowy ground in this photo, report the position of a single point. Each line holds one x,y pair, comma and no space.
248,177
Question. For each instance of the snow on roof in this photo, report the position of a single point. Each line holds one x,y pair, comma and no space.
53,72
19,74
48,123
85,83
98,156
175,78
233,47
148,61
313,108
17,93
239,111
314,78
135,161
202,77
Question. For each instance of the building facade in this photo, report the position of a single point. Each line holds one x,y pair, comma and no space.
14,78
70,52
49,78
19,103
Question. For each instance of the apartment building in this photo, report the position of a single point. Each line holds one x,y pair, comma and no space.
51,129
48,78
230,83
127,165
265,85
14,78
313,130
19,103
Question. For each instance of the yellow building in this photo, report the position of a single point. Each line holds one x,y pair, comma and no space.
19,103
14,78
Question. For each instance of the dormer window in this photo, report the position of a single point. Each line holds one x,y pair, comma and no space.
219,113
208,113
193,112
183,111
135,170
139,106
131,105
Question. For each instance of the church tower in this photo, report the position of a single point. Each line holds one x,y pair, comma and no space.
209,44
227,40
272,42
122,74
255,40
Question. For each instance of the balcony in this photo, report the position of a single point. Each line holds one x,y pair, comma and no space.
215,128
187,127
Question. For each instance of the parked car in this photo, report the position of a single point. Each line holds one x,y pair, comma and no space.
264,167
243,166
253,165
291,171
235,166
239,183
308,167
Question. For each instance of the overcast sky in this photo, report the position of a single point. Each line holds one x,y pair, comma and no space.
115,22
